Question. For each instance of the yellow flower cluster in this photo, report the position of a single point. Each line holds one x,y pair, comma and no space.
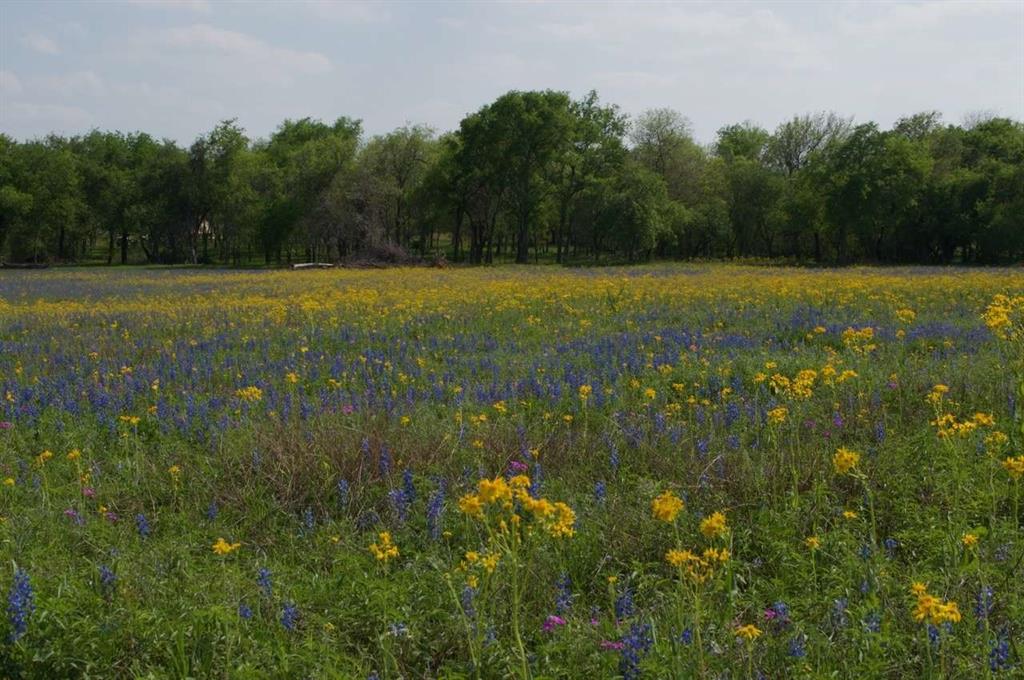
713,526
1015,467
948,425
666,507
845,460
1005,317
250,394
933,609
936,395
860,340
222,547
557,518
777,415
698,568
384,549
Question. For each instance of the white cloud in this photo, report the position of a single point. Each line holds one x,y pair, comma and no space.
47,117
74,84
200,6
9,83
40,43
203,38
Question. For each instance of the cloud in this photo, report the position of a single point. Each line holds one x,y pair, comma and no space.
9,83
199,6
74,84
55,117
232,45
40,43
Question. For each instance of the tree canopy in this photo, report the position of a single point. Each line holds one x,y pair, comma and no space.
533,175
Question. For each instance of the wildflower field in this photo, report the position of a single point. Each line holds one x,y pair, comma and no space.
656,472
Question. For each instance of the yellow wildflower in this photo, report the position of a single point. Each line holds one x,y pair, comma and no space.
713,526
845,460
222,547
666,506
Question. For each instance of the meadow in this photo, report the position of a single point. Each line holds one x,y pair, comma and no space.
668,471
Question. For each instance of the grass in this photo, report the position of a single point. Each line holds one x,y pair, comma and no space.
300,415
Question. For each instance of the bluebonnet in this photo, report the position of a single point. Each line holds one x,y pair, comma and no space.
399,503
468,593
933,635
20,604
624,604
107,580
599,492
435,508
686,637
563,598
142,524
635,643
408,488
244,611
983,602
797,649
891,544
289,616
264,582
343,492
398,629
613,456
384,462
212,511
873,622
865,551
999,655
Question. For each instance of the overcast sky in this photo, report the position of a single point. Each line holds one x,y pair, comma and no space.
175,68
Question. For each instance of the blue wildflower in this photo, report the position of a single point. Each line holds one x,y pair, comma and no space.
599,492
563,599
635,645
20,604
624,604
244,611
308,520
873,622
264,582
343,492
435,508
289,616
107,580
408,488
142,524
797,647
999,655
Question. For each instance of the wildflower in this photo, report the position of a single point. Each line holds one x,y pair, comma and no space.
249,394
384,549
289,616
666,507
142,524
749,632
264,582
1014,467
635,645
932,609
812,542
714,526
777,415
969,540
552,622
20,605
849,514
585,391
435,508
244,611
222,547
43,457
470,504
9,481
74,454
107,580
563,599
845,460
599,492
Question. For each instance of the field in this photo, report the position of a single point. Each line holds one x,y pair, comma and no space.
668,471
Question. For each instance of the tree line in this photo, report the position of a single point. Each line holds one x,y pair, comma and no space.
532,176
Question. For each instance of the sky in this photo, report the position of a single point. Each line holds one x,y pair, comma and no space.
174,68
